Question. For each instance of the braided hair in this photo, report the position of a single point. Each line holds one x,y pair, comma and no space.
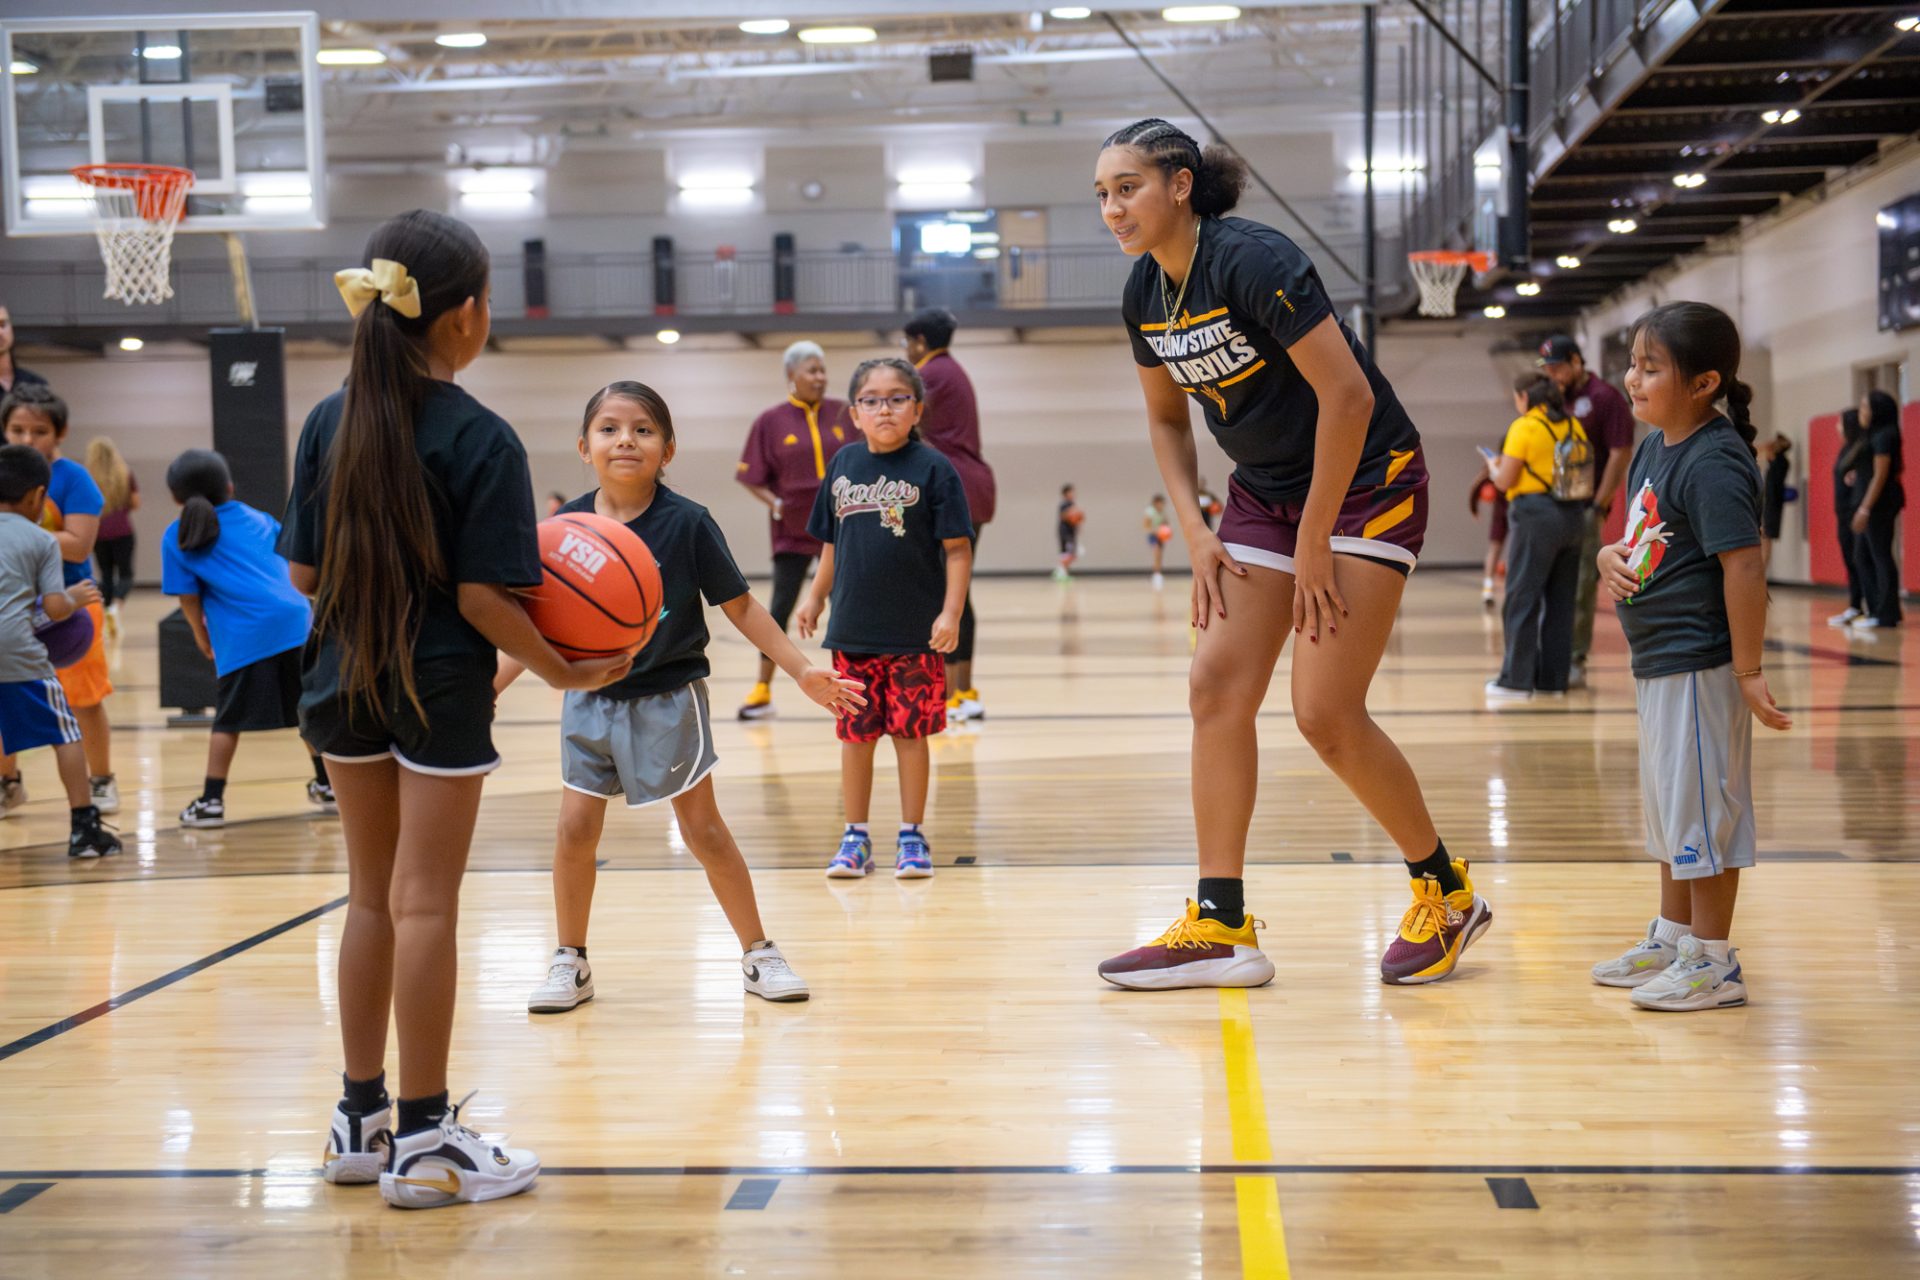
1219,175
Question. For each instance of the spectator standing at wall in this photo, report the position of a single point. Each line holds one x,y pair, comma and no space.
120,489
1847,488
1879,468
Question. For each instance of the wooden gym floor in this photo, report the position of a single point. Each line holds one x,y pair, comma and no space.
963,1097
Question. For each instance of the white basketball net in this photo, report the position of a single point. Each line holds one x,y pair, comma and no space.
1439,283
134,219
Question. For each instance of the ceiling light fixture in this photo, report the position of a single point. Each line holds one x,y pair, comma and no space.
1494,312
1528,288
1567,262
1201,13
668,336
766,26
131,344
461,39
1070,12
350,57
1781,117
21,67
1689,181
838,35
160,52
1623,226
1907,23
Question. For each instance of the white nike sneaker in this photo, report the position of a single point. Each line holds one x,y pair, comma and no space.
1643,962
451,1164
569,984
1695,980
356,1147
766,973
1843,617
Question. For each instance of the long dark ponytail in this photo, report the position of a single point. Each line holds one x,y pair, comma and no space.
1219,174
380,551
199,481
1702,339
1542,392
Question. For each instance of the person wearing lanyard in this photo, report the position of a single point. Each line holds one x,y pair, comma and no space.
785,459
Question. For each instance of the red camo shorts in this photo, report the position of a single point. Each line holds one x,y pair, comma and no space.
906,695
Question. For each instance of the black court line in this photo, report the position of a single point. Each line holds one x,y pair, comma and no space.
15,1196
1512,1193
1845,657
753,1193
1055,1170
1341,857
164,981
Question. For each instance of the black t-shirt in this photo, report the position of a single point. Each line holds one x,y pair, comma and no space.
694,562
21,377
1690,503
482,498
1251,295
1884,442
886,515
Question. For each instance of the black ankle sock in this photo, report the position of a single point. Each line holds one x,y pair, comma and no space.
1223,899
85,818
1438,865
579,951
364,1097
421,1113
320,771
213,789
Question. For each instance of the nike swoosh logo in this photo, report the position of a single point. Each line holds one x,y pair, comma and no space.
677,768
579,977
1641,964
450,1184
753,974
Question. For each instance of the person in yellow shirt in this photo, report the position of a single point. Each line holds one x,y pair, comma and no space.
1543,466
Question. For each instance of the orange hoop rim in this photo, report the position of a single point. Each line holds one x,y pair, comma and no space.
1480,262
132,177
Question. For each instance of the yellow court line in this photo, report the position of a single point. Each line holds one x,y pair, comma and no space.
1263,1237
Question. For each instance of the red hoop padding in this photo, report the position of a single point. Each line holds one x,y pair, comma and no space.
158,189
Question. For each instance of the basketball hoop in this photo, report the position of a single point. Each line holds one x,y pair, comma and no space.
135,210
1439,273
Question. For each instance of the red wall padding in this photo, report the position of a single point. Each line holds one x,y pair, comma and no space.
1910,518
1823,535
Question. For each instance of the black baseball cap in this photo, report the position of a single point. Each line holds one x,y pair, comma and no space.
1558,349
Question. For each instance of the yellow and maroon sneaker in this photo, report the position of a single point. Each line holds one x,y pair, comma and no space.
1437,928
1194,952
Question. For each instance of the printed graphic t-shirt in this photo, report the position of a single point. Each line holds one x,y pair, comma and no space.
886,515
694,562
71,492
1689,503
1251,295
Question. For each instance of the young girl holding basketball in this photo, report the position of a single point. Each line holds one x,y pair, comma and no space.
411,520
649,737
1691,581
893,521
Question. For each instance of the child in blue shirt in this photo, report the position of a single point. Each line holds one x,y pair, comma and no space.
220,559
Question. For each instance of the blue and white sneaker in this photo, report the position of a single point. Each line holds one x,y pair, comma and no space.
1695,980
855,858
912,858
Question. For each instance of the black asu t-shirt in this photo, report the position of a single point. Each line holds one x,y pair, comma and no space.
482,498
694,562
887,515
1251,295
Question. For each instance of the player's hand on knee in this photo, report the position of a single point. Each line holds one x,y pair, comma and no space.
1210,558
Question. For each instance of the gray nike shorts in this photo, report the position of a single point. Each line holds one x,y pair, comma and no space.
1696,774
644,750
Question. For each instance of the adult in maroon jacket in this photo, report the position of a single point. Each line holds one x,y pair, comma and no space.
785,460
951,424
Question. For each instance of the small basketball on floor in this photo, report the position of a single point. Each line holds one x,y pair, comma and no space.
600,595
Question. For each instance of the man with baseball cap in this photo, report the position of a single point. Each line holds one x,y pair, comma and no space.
1603,412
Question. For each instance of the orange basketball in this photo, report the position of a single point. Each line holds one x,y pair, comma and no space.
600,593
1075,515
1164,533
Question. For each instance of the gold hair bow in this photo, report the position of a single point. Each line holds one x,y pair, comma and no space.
387,281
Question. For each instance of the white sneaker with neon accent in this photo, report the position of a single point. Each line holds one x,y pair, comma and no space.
1695,980
1644,961
451,1164
356,1146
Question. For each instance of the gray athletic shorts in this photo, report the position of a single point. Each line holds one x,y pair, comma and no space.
1696,784
643,749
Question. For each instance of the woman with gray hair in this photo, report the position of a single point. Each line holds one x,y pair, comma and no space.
785,460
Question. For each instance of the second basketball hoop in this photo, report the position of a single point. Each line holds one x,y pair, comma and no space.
1440,272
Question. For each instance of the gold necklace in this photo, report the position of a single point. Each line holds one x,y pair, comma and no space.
1173,305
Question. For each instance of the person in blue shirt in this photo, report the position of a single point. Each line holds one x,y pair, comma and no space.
220,559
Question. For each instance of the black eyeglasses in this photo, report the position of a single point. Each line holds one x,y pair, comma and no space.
874,404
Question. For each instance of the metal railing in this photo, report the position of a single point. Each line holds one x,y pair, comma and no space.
618,286
1582,39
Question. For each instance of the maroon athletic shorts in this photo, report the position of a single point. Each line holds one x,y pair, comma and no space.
1385,522
906,695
